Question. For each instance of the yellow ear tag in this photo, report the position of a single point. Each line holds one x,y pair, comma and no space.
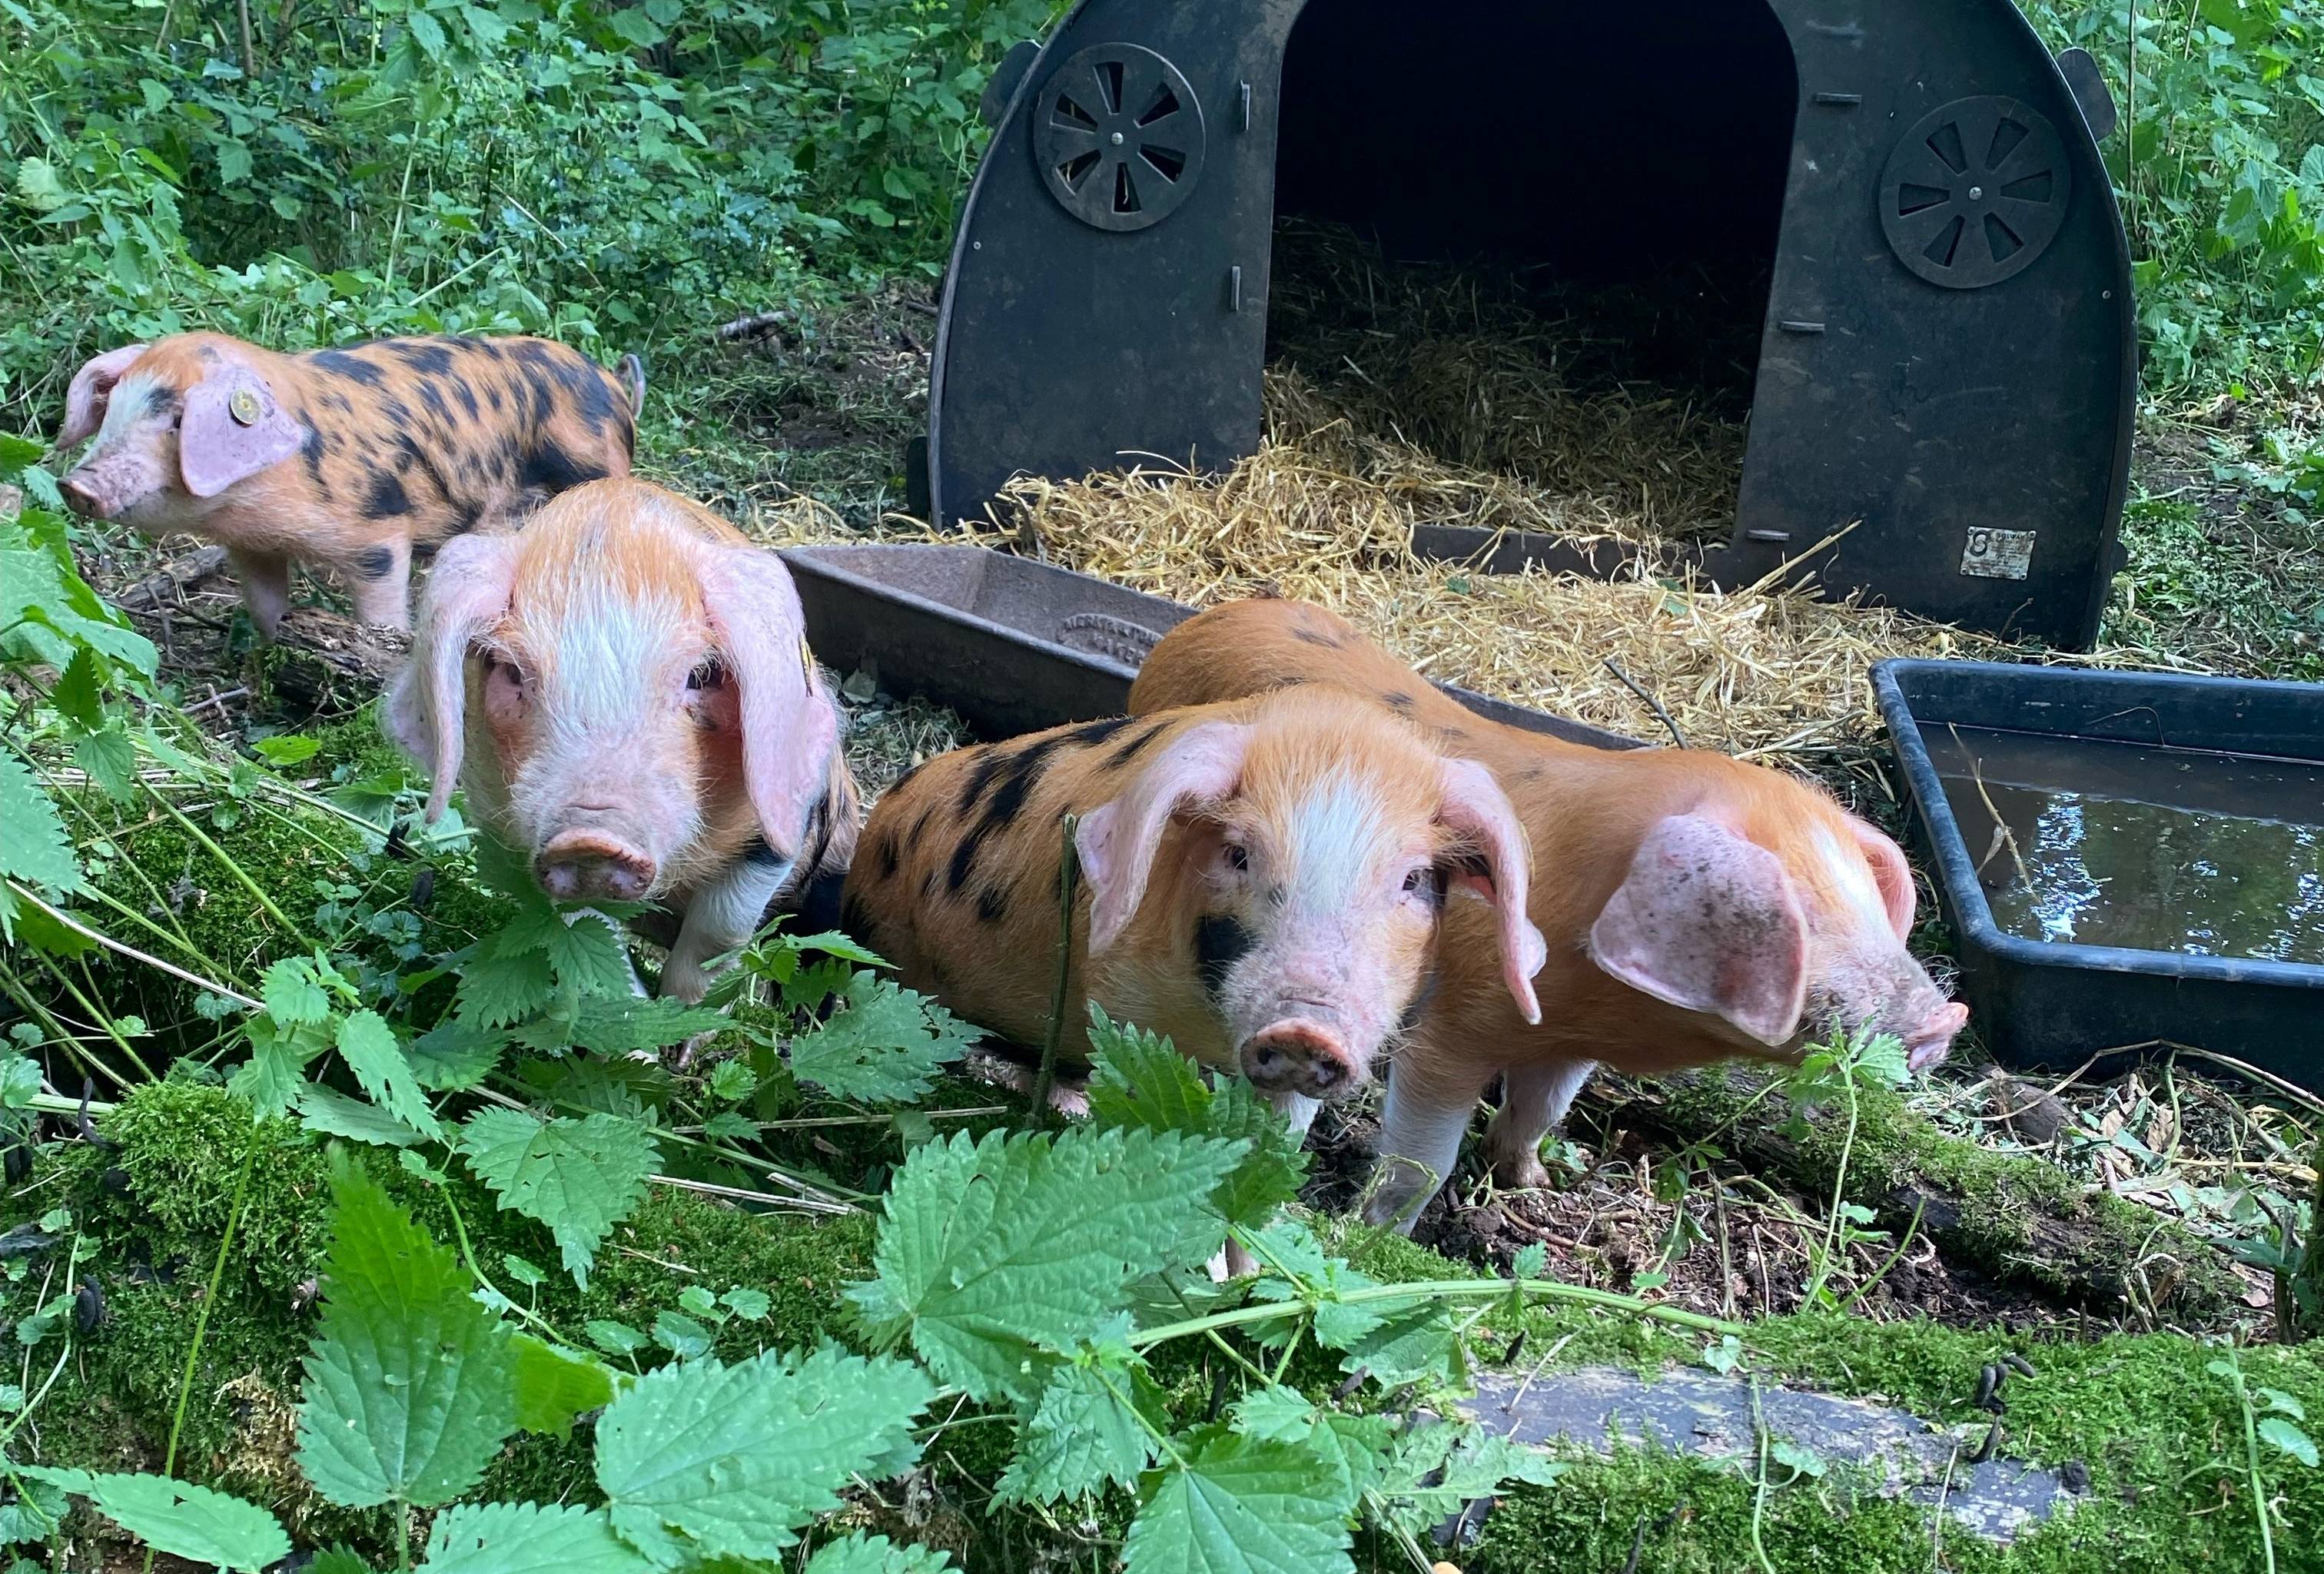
806,663
243,406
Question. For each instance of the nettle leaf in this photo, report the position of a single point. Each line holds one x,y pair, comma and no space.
1138,1079
861,1554
525,1538
272,1080
580,1177
496,990
584,949
33,846
627,1024
1355,1447
992,1252
453,1056
1238,1505
334,1114
410,1384
1433,1472
701,1460
885,1044
1085,1431
369,1046
555,1386
191,1522
293,993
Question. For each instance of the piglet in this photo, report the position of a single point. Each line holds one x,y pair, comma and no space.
625,689
1263,880
345,459
1695,907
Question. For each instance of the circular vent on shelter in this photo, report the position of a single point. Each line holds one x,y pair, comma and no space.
1119,136
1974,192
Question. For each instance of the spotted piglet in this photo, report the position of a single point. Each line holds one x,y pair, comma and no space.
1701,907
1264,881
624,688
347,459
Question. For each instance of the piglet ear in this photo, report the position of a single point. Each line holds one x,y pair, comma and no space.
789,724
92,386
426,712
1116,842
1475,806
233,429
1891,873
1709,921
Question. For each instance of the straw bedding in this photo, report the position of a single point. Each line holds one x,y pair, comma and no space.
1411,395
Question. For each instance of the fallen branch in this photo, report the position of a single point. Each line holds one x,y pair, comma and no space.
169,581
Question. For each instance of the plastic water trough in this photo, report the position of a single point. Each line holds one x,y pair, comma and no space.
1012,645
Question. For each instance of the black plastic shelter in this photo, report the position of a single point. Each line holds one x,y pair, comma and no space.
1906,196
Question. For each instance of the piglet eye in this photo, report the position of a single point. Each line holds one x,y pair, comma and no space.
1237,856
707,675
1423,882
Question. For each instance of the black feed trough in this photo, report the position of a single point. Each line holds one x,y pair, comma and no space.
1901,207
2130,860
1013,646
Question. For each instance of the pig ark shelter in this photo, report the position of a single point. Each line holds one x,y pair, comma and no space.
1897,211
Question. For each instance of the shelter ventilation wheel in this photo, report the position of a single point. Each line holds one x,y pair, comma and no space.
1974,192
1118,135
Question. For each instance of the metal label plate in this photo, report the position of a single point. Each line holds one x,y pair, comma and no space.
1998,554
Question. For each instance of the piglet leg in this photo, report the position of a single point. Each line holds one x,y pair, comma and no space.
1534,1099
265,588
721,916
379,581
1420,1141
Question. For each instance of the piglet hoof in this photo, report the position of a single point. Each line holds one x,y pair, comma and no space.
1523,1173
694,1046
1231,1262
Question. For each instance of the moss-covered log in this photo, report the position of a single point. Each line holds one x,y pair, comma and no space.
2023,1219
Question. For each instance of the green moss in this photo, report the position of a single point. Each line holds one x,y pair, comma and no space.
2159,1432
1992,1210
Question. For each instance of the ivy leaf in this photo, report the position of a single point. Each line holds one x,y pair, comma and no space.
861,1554
1238,1505
191,1522
2284,1435
884,1046
334,1114
410,1384
33,846
368,1045
580,1177
110,758
702,1460
293,995
1083,1434
525,1538
554,1386
993,1251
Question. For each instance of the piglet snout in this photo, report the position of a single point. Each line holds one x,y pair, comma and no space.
1927,1047
83,498
592,866
1299,1057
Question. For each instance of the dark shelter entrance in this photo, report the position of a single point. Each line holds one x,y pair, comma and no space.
1875,248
